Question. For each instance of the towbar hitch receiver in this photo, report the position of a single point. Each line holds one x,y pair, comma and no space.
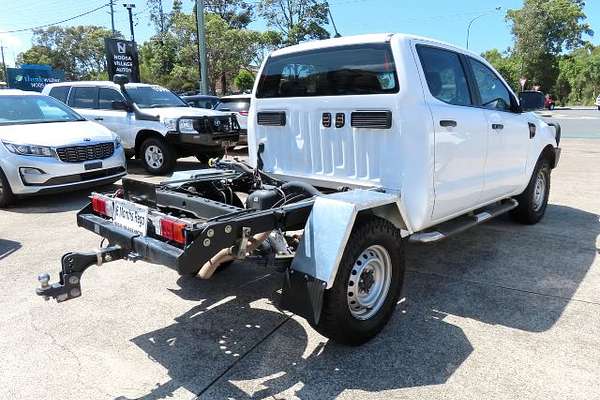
73,265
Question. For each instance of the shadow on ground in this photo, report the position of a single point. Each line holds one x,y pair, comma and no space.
7,247
518,277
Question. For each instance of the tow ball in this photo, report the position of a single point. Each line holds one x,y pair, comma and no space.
73,265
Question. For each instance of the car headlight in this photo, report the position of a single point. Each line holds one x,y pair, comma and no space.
29,149
170,123
186,125
117,142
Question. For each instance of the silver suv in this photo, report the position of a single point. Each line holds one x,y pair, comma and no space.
153,123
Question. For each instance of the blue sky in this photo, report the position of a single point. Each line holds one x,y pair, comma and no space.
441,19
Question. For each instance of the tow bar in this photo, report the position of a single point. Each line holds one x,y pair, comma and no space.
73,265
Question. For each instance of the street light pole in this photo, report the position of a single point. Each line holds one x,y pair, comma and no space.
202,47
475,19
129,8
112,17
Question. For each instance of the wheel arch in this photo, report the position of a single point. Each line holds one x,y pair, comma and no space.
143,135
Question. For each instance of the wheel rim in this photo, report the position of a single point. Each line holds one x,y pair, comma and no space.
369,282
154,156
539,191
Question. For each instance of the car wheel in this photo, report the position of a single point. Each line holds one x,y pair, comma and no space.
6,194
367,286
534,200
157,156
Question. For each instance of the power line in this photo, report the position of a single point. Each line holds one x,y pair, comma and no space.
57,22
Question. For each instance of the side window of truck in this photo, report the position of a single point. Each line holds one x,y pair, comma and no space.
106,97
84,97
60,93
493,93
445,75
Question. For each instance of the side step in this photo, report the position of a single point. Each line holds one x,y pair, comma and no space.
463,223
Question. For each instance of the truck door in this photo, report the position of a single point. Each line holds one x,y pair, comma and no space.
508,134
120,122
460,132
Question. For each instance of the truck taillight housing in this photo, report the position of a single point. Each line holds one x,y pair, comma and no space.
244,113
101,205
172,230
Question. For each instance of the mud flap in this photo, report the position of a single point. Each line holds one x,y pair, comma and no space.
303,295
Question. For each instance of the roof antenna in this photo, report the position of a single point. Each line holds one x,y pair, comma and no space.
337,34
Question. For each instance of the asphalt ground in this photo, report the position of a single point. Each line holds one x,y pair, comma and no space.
502,311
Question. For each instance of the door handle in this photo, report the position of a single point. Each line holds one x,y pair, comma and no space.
98,119
448,123
497,127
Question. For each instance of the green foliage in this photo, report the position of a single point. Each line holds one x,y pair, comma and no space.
78,50
542,30
579,77
296,20
244,80
506,64
237,13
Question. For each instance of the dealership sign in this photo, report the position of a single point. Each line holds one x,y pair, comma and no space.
122,58
33,77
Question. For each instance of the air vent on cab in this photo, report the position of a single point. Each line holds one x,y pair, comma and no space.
271,118
371,119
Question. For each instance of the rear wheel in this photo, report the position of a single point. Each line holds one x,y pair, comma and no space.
534,200
367,285
157,156
6,194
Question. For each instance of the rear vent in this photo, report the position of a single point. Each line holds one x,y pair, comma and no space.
326,120
371,119
276,118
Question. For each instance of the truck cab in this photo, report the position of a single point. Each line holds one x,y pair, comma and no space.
146,118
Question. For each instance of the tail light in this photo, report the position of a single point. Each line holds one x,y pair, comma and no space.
244,113
172,230
101,205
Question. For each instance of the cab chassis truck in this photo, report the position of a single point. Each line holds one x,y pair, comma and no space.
356,145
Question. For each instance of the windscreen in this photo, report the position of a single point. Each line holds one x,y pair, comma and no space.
336,71
33,110
154,97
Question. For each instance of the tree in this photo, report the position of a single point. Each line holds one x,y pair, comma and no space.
237,13
542,30
506,64
244,80
579,77
78,50
296,20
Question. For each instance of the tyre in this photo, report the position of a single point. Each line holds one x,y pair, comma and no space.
6,194
157,156
533,201
367,286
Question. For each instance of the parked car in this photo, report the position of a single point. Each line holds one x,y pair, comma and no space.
240,104
598,102
47,147
364,142
154,124
201,101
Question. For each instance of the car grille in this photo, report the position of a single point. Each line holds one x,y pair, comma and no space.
86,153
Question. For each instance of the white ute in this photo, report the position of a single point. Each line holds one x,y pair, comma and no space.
362,142
153,123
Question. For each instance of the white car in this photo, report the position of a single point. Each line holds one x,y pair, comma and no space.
47,147
153,123
240,105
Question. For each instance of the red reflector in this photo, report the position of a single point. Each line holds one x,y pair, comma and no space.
244,113
172,230
99,205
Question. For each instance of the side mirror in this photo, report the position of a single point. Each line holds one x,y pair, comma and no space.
531,100
120,105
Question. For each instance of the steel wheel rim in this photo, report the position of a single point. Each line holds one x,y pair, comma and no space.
154,156
539,191
369,282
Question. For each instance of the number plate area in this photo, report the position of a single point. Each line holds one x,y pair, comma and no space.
131,216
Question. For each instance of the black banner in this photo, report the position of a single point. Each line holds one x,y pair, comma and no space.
122,58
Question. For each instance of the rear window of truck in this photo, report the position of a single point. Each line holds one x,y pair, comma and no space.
335,71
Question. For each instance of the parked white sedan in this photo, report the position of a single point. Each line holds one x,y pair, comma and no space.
47,147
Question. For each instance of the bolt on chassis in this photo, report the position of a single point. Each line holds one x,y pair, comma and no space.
338,252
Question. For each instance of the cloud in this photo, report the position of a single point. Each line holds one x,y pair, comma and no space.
14,43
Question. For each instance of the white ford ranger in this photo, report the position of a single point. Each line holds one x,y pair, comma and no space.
362,143
152,122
